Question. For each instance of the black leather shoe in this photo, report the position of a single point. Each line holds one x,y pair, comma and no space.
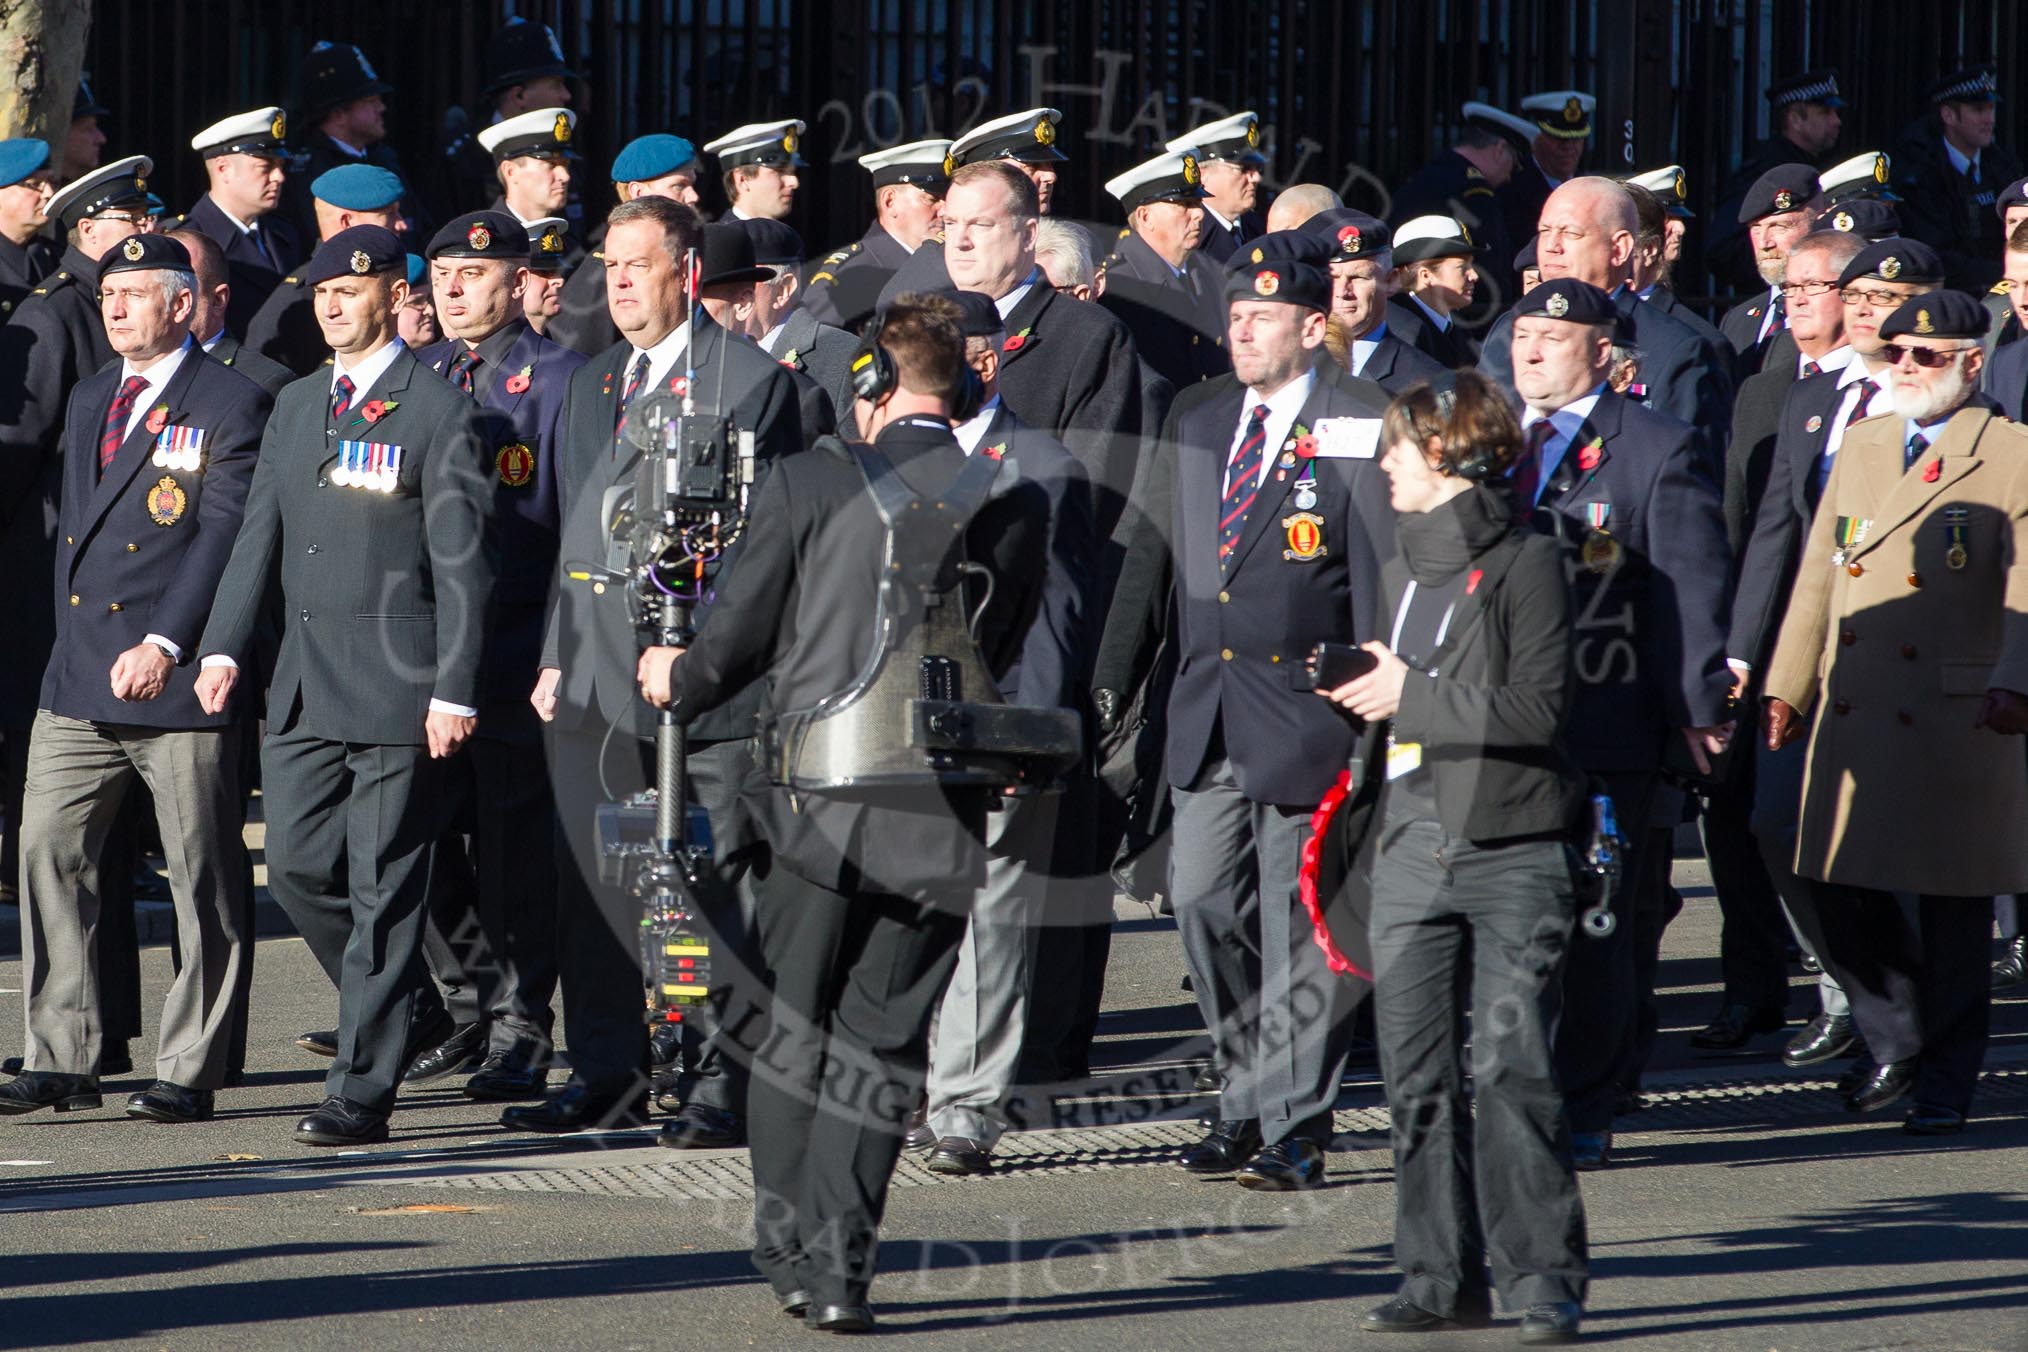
1209,1080
665,1047
426,1036
114,1058
462,1050
796,1304
1926,1119
1823,1038
1591,1149
1886,1084
2012,969
1855,1074
1224,1148
920,1135
1736,1024
11,1066
1553,1321
699,1126
504,1078
1285,1166
49,1089
576,1108
163,1101
234,1079
1402,1315
840,1318
962,1156
340,1121
324,1042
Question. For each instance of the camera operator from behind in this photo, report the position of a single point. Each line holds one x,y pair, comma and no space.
865,897
586,684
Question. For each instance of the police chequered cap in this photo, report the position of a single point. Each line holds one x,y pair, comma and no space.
548,241
1786,187
1524,257
918,162
1863,175
1172,176
259,132
358,187
480,234
543,133
1895,259
776,244
1349,234
1866,217
123,183
1029,137
144,253
1288,266
1427,237
1568,298
335,74
1812,86
356,251
1669,184
85,103
521,51
1939,314
770,143
1235,139
2015,194
20,157
1500,122
1564,113
1973,84
652,156
978,316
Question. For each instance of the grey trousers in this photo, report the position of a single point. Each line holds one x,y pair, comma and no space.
1777,811
975,1048
1279,1017
79,774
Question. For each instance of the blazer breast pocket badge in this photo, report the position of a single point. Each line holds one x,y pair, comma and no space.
368,464
179,448
516,462
1306,537
166,501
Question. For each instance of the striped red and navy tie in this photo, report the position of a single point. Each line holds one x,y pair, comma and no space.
117,413
1242,483
341,397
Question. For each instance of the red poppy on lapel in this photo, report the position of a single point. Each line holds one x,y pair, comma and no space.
158,418
678,385
1306,446
376,409
1588,457
1472,580
518,382
1016,341
1933,471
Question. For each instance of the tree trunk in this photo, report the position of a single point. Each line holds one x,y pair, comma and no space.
42,46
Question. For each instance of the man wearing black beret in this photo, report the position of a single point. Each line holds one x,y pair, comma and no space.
1776,213
368,520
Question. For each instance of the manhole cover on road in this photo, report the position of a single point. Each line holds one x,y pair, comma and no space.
726,1176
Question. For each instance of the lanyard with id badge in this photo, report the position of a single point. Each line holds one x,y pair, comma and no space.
1405,758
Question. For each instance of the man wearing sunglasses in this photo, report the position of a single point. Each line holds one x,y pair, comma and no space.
1903,638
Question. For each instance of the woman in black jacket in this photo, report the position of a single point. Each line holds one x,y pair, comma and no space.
1472,895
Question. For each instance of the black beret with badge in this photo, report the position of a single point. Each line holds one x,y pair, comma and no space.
1786,187
357,251
1939,314
1895,259
1866,217
1348,233
1286,266
480,234
1568,299
144,253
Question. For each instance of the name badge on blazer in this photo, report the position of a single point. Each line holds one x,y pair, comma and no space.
374,465
1347,438
179,448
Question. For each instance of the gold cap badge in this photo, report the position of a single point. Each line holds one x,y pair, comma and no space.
1045,132
132,249
1266,283
479,237
1890,267
561,131
1557,305
361,264
1573,111
1922,324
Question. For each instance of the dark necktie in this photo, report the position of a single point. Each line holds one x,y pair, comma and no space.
341,397
1917,444
1527,476
637,376
117,413
1867,388
461,369
1242,482
260,241
1810,368
1779,315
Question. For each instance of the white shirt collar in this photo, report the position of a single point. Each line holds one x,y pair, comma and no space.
973,430
1837,359
356,152
1442,322
738,215
368,372
1223,224
244,227
157,378
1855,370
213,341
1568,422
1283,407
662,357
773,336
1005,304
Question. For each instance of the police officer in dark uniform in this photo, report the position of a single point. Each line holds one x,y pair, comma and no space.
1156,281
1464,182
860,938
908,187
1806,112
26,185
1948,173
517,378
1230,159
532,155
284,329
344,121
656,165
85,138
368,517
524,69
243,157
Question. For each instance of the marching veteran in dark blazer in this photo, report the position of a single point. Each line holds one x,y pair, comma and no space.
517,379
369,511
158,450
1906,644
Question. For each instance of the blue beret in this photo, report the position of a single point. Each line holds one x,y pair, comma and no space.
1567,298
1895,259
357,187
418,271
356,252
652,156
21,157
1940,314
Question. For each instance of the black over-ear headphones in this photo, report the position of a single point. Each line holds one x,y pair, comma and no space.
1471,462
874,376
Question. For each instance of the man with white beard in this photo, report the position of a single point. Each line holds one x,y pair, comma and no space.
1907,636
1776,213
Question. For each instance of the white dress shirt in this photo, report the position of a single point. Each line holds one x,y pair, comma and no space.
1005,305
1837,359
1567,422
1364,348
772,337
972,431
1282,406
662,358
1849,411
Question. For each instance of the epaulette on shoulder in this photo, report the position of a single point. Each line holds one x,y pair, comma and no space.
1125,230
599,254
1472,172
1999,288
292,281
56,279
833,259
